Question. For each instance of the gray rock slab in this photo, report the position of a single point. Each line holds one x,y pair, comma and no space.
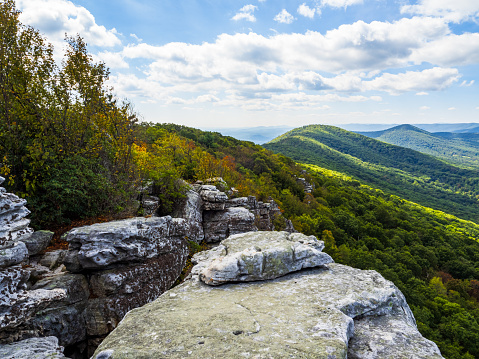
53,259
305,314
33,348
190,208
12,253
213,199
37,241
119,290
66,323
259,256
219,225
75,286
13,223
389,337
130,240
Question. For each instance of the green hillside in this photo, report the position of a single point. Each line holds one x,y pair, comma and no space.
457,148
397,170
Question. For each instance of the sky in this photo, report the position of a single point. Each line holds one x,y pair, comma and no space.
245,63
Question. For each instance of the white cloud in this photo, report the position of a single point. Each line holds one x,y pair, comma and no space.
451,108
455,11
284,17
306,11
55,17
340,3
466,83
424,108
136,37
113,60
422,93
434,79
451,50
246,13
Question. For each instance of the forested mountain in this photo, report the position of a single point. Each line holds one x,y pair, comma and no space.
397,170
458,148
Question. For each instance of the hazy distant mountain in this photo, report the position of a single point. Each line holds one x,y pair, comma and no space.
434,127
258,135
401,171
459,148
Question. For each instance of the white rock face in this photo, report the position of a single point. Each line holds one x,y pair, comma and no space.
261,255
335,312
13,223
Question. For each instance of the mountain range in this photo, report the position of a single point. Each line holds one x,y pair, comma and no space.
401,171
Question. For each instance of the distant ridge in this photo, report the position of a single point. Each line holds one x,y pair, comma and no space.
461,148
430,127
397,170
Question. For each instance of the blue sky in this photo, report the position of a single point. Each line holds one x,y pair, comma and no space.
235,63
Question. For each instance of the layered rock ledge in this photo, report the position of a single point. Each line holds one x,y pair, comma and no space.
330,311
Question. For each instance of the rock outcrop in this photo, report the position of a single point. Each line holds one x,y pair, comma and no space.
13,213
260,256
330,311
33,348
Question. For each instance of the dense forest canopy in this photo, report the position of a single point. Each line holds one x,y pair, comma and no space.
397,170
74,151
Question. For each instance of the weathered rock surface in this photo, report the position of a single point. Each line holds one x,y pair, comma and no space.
17,305
214,199
388,337
64,318
53,259
310,313
191,209
259,256
219,225
119,290
37,241
131,240
13,223
12,253
33,348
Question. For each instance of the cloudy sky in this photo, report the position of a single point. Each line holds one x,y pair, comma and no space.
240,63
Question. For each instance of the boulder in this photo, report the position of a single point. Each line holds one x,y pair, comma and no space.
131,240
219,225
12,253
309,313
33,348
190,208
213,199
13,223
259,256
37,241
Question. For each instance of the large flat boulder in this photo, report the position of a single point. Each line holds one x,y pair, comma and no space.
118,242
259,256
311,313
